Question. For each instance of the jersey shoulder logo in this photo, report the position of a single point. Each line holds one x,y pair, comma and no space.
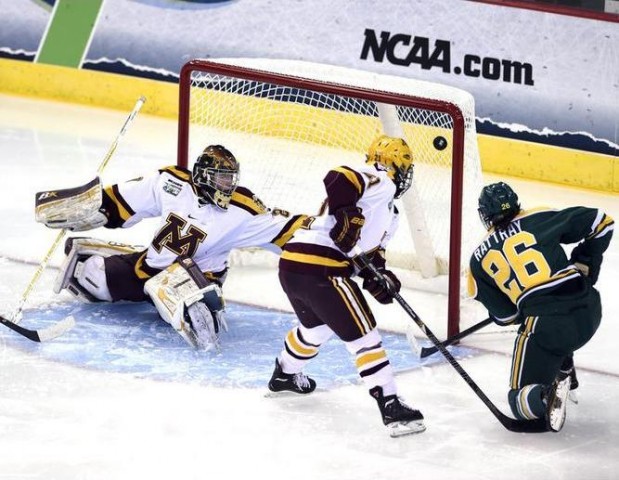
172,187
372,179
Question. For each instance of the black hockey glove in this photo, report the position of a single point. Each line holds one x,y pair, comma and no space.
588,264
377,288
347,229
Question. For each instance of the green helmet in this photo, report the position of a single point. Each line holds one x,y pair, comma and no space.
497,205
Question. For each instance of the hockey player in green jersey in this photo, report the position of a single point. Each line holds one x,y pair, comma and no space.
522,275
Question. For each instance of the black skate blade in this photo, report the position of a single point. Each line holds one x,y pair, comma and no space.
289,394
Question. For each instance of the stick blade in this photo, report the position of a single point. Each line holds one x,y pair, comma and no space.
525,426
56,330
412,341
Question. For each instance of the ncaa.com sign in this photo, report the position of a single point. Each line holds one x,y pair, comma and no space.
405,50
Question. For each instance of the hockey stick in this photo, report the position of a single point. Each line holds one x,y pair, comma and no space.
427,351
16,317
43,334
511,424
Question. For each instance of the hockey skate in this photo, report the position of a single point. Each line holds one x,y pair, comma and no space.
290,382
399,418
556,402
568,368
202,326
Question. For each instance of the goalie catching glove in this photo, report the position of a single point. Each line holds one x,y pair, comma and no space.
75,209
186,300
348,224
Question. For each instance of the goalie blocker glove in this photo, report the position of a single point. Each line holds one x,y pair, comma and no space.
348,224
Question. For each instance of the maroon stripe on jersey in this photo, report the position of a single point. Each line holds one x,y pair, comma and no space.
122,201
179,173
245,199
111,205
288,230
246,192
314,269
319,250
315,260
143,268
341,191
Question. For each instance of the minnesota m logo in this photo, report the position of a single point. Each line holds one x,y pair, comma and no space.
170,237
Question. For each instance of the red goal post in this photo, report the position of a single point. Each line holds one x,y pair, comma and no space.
288,122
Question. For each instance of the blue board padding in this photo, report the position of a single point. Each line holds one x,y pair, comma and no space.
130,338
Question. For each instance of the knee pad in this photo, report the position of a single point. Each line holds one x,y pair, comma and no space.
90,276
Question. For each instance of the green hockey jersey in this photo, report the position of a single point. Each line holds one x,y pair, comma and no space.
526,259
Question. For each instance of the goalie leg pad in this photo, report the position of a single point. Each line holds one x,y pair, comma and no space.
79,249
195,312
90,275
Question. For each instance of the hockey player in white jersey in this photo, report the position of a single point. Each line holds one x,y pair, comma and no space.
315,272
203,213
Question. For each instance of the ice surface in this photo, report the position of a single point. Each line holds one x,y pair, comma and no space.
120,396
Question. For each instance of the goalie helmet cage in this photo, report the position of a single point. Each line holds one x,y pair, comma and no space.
288,122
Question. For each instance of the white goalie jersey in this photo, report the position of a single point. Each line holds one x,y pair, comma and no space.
206,233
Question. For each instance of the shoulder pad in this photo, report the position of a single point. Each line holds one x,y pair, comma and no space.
177,172
354,177
532,211
245,199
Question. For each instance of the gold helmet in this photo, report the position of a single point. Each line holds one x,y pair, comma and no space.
394,156
215,176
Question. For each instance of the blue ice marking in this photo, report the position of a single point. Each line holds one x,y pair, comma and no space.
130,338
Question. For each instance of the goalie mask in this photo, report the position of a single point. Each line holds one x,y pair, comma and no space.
395,157
215,176
497,205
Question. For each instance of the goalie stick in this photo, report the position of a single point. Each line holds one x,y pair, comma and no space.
511,424
16,317
43,334
427,351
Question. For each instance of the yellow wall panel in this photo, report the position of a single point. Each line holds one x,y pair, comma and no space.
498,155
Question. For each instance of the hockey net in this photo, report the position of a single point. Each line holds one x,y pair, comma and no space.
288,122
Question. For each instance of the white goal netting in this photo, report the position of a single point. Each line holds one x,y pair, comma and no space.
289,122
